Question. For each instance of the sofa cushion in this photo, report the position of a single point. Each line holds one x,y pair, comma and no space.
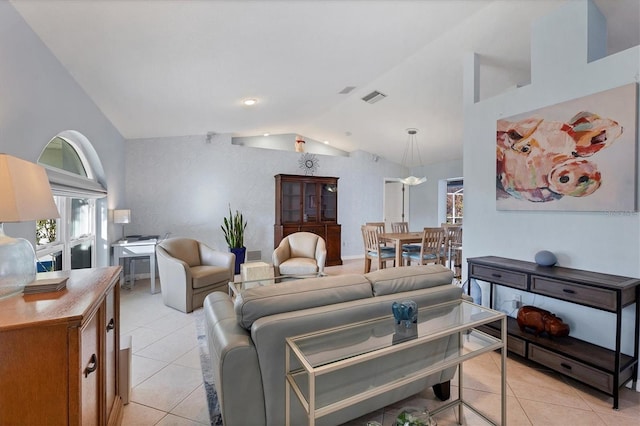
206,275
184,249
303,244
257,302
396,280
298,266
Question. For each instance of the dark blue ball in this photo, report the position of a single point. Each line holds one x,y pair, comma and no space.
546,258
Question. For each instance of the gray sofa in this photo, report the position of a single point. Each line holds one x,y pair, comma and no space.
246,338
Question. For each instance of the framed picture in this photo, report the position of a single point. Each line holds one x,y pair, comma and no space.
578,155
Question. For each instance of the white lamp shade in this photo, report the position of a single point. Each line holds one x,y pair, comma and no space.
412,180
122,216
25,191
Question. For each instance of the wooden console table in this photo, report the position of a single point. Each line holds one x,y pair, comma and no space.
59,353
603,369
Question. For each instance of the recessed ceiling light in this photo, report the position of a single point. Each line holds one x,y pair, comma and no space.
326,142
249,102
266,134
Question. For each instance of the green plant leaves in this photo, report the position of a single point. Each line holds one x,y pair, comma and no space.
233,228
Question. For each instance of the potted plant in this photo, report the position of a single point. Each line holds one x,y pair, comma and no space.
233,228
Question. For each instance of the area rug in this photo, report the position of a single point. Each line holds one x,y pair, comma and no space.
207,370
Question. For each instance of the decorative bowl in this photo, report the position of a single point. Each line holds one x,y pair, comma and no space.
546,258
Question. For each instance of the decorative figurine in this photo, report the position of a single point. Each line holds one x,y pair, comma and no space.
406,312
541,321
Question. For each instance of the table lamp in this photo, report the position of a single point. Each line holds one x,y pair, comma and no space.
26,196
122,216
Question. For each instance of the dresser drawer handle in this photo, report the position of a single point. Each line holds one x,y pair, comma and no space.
92,366
496,275
567,366
568,290
111,325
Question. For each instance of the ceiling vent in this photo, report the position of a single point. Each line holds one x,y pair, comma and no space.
374,97
346,90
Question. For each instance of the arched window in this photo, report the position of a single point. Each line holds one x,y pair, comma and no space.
69,242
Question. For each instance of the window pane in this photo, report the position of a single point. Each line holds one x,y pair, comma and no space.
50,262
47,230
81,255
80,217
62,155
455,197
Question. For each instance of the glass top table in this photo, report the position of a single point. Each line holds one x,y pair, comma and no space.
237,287
330,369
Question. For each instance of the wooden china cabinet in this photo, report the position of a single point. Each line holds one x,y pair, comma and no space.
310,204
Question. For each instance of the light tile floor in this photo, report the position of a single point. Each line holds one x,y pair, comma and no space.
167,380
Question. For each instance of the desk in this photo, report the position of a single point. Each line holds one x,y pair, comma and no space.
400,238
137,248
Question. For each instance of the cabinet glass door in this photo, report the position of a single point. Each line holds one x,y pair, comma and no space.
291,202
310,203
329,207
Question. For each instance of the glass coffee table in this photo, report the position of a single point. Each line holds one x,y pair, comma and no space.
332,369
237,287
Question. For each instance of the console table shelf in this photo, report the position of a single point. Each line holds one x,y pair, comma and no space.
601,368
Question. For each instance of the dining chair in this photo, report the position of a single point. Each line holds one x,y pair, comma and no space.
453,247
399,227
373,249
384,246
430,250
452,243
403,227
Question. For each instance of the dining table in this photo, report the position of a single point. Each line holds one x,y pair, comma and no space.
400,238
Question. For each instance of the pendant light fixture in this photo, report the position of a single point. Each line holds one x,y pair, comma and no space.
410,152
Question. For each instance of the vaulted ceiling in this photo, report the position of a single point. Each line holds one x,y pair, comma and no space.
172,68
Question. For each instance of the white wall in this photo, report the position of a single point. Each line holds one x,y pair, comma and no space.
40,99
424,198
596,241
184,185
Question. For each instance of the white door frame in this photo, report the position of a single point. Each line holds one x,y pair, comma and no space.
392,201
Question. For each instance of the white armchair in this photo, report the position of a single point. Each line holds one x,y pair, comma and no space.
300,253
190,270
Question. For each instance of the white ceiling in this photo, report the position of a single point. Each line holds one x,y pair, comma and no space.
182,67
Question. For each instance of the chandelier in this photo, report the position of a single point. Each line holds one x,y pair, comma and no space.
410,151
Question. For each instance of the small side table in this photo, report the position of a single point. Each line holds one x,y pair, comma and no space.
259,273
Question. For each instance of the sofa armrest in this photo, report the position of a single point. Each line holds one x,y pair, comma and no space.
171,269
281,253
321,254
175,280
234,362
209,256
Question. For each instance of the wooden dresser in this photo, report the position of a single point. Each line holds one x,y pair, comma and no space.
59,353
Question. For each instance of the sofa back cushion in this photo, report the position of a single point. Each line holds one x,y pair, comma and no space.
258,302
184,249
398,280
303,244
